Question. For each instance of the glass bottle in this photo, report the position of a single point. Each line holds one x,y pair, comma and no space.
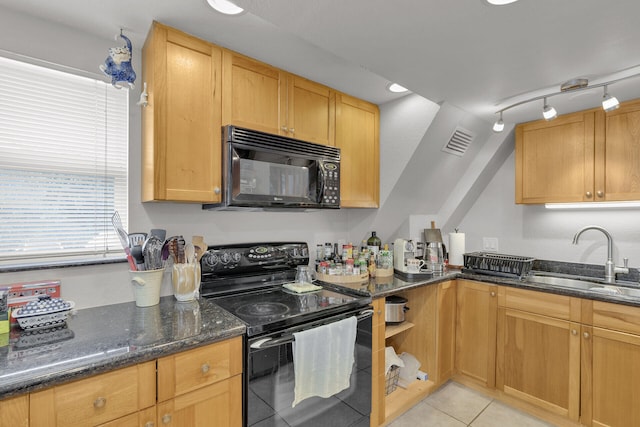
374,243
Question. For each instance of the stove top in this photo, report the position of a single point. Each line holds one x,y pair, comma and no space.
246,280
274,308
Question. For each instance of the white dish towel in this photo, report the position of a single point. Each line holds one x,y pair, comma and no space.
323,358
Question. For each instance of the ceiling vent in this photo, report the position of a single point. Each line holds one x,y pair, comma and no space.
459,141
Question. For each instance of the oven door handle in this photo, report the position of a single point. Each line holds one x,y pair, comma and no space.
289,338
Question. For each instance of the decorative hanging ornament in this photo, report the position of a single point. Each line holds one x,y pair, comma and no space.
118,64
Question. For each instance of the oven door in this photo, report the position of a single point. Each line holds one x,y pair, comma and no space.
270,382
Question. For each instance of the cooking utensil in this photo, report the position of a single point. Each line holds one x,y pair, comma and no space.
137,239
152,253
189,253
136,253
160,233
124,239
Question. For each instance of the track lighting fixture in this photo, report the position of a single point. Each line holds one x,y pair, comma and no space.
498,126
609,103
548,112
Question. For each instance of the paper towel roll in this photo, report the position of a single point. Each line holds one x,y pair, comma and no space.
456,249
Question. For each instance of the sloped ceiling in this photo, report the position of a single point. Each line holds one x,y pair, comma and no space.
474,56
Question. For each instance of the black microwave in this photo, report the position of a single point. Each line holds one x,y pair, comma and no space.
267,171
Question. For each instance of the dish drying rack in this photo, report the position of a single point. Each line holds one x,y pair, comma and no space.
497,264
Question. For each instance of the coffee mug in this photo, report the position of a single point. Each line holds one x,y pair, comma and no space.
414,265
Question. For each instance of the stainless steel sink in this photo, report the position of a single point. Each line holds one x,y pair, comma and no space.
586,285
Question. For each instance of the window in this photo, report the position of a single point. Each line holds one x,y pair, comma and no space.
63,165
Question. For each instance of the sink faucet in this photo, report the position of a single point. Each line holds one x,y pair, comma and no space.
610,269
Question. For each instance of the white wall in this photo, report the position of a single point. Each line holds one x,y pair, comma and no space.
547,234
98,285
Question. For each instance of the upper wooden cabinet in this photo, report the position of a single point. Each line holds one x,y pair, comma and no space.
580,157
259,96
357,136
181,144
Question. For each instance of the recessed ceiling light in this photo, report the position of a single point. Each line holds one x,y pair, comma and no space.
396,88
500,2
226,7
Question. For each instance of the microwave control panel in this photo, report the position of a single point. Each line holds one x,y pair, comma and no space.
331,194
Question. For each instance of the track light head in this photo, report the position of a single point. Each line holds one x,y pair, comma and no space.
498,126
609,103
548,112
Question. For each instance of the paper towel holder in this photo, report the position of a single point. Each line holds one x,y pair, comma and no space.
456,249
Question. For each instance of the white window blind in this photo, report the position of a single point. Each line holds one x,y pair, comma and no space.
63,163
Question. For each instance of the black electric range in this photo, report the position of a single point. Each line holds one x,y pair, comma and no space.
246,280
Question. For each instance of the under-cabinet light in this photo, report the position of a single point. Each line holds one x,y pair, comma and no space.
593,205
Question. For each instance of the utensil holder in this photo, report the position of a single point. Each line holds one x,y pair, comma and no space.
185,278
146,286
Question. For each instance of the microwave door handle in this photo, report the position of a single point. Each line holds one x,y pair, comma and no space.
322,181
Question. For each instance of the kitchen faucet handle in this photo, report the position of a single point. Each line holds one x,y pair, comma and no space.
625,261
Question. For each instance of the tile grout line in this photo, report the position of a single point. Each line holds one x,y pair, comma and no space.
480,413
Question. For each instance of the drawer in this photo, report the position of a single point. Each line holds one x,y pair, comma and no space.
95,400
617,317
546,304
193,369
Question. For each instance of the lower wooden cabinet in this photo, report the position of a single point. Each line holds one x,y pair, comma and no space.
198,387
378,363
446,332
15,411
218,404
202,386
612,366
476,323
96,400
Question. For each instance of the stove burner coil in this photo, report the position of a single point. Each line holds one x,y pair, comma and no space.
263,309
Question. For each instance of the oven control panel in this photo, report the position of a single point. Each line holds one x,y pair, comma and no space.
251,257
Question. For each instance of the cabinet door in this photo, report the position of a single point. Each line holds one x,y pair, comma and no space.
95,400
219,405
446,333
254,94
357,136
618,153
15,411
181,124
539,361
476,331
555,160
310,111
615,375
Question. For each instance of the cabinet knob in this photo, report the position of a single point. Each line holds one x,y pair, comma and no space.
149,424
600,193
166,419
205,368
492,293
216,190
99,402
574,332
589,195
292,130
586,335
284,128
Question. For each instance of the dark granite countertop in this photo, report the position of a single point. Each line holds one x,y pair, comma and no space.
101,339
383,286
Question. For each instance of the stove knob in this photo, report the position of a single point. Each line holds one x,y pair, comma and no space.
237,256
210,260
225,258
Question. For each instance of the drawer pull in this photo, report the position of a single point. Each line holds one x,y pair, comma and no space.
166,419
586,335
493,294
574,332
99,402
205,368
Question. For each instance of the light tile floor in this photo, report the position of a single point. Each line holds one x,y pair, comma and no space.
455,405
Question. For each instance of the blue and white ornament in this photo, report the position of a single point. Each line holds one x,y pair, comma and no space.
118,64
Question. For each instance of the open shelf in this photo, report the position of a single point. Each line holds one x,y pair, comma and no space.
391,329
401,399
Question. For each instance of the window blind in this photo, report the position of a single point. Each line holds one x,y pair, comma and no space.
63,163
